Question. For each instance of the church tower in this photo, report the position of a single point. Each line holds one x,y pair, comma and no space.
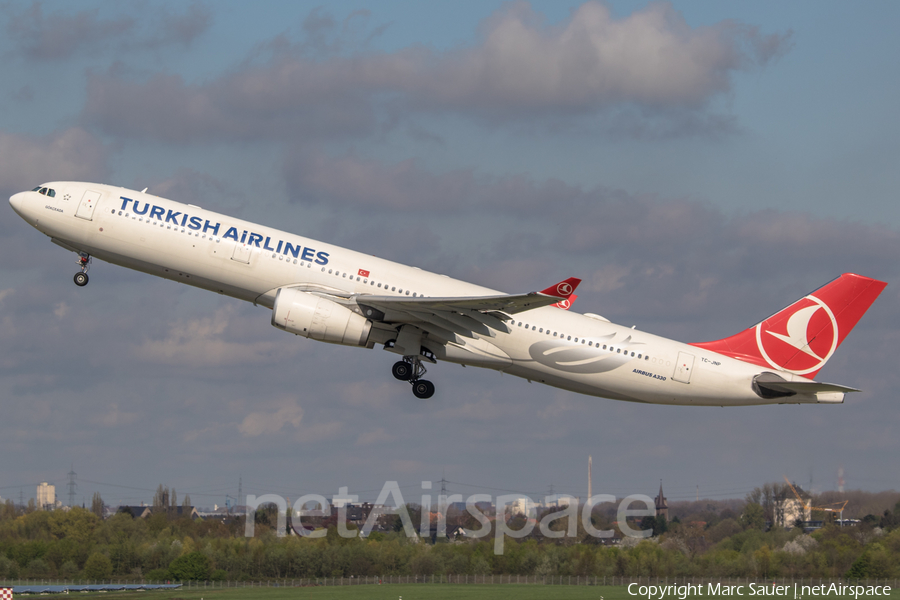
662,507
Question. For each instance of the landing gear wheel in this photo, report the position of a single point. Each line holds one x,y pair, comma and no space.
423,389
81,279
402,371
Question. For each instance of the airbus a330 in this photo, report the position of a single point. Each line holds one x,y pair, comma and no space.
331,294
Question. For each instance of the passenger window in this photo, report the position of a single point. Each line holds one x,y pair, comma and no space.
394,289
570,337
590,343
542,330
554,334
604,346
329,270
619,351
407,292
379,285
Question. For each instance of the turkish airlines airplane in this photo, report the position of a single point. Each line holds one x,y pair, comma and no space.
335,295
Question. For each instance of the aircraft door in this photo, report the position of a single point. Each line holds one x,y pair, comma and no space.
87,205
683,367
242,253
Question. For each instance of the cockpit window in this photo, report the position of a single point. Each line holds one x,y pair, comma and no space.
45,191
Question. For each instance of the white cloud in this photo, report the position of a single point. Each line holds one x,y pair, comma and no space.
71,154
114,417
259,423
59,34
375,436
61,310
205,342
649,66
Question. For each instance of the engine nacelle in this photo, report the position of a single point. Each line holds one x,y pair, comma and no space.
319,319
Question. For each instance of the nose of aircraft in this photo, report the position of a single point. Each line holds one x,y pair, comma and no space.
16,202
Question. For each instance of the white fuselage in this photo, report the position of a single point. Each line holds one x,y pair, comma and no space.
182,242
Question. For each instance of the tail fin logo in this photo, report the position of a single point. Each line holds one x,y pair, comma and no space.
564,289
799,339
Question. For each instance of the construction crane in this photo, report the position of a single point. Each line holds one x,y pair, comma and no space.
807,505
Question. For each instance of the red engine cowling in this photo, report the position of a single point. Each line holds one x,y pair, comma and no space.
319,319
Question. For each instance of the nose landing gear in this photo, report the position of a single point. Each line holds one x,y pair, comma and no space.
84,261
411,369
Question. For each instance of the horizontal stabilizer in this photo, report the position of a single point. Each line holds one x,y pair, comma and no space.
770,385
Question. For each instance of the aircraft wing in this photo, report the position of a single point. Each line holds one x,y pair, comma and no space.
463,316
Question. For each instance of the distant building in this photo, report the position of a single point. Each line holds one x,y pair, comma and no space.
136,512
46,496
789,509
142,512
523,506
662,507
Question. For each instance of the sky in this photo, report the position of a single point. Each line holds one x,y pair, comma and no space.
699,165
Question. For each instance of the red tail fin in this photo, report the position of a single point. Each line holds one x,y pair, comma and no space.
802,337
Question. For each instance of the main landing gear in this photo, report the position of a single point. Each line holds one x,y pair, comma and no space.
84,261
411,369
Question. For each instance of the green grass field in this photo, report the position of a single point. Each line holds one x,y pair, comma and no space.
419,592
386,592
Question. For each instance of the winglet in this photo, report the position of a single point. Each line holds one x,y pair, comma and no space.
563,289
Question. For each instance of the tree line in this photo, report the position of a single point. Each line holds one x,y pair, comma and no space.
727,539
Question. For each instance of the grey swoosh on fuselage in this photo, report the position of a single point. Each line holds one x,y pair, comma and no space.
580,359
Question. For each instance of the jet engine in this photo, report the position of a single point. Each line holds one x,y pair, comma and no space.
319,319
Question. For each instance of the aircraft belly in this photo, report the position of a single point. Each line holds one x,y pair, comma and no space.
608,376
474,352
